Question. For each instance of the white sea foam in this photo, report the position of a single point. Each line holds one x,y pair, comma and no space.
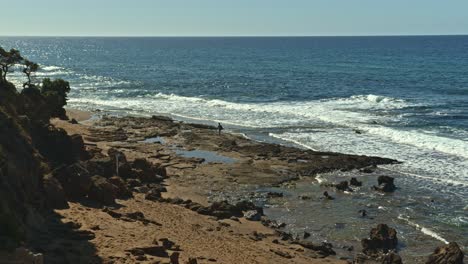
423,229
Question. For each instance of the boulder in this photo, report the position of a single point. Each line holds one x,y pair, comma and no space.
355,182
382,239
122,191
103,166
55,195
102,191
447,254
385,184
343,186
74,179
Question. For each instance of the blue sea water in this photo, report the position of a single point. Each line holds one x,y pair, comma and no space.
408,96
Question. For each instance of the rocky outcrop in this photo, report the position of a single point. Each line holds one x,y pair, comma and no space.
447,254
102,190
382,239
55,195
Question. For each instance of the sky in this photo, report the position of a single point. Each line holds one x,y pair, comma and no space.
232,17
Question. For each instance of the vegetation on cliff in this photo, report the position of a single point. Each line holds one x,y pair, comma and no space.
25,135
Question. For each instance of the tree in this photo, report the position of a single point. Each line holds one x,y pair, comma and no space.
8,59
30,67
55,93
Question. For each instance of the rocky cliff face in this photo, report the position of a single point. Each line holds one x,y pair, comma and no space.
21,170
29,148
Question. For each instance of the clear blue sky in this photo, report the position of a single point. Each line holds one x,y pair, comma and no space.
232,17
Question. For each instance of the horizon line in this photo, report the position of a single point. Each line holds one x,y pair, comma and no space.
231,36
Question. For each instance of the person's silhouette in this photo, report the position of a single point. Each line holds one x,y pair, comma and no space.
220,127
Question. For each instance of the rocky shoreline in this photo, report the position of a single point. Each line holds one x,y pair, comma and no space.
137,190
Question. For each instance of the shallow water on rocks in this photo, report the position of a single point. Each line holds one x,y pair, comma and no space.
208,156
420,217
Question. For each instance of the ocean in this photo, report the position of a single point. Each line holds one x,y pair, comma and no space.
400,97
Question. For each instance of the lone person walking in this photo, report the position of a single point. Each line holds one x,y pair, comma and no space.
220,127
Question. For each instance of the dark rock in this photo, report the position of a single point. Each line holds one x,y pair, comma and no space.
73,121
103,166
166,243
369,169
306,235
174,258
274,194
102,191
153,195
192,261
324,249
281,253
157,251
385,184
363,213
392,258
78,147
343,186
74,179
133,183
447,254
55,195
122,191
327,196
382,239
385,179
355,182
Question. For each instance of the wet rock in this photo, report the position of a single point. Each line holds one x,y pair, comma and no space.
326,196
447,254
102,191
55,195
253,215
343,186
355,182
392,258
382,239
363,213
324,249
306,235
385,184
274,195
73,121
